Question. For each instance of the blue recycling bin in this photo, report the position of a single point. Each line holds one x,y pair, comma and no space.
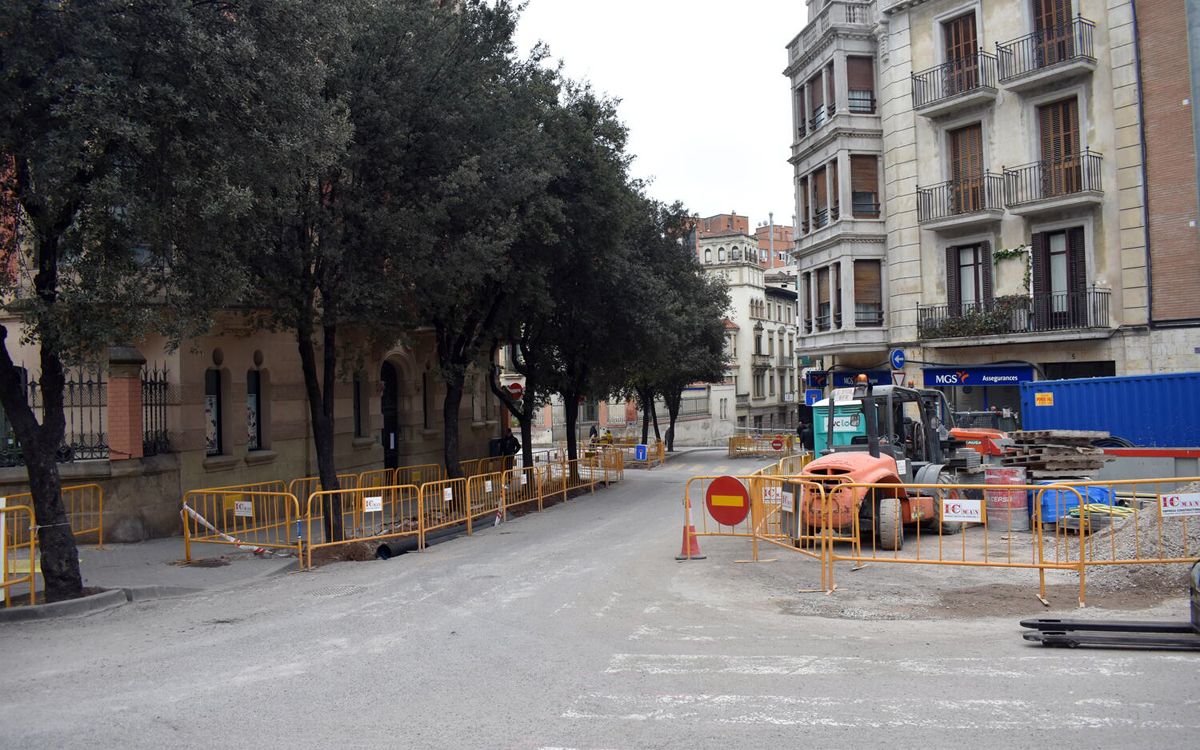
640,452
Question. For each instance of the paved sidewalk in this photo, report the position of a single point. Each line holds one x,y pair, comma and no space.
159,562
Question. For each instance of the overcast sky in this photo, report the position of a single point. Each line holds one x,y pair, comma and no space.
701,86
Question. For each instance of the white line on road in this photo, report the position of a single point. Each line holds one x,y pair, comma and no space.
917,713
1016,667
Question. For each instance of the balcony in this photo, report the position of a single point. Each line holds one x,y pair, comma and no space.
1015,315
1051,185
962,203
743,400
955,86
835,15
760,361
1047,56
868,315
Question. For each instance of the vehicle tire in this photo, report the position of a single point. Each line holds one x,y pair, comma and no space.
890,534
947,529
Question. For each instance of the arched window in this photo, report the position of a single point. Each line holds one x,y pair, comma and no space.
720,255
708,255
254,440
214,418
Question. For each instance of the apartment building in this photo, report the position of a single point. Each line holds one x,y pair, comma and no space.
760,331
837,146
774,241
1014,214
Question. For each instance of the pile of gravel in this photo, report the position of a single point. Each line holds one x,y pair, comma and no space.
1146,538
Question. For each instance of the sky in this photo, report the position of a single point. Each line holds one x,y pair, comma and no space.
702,90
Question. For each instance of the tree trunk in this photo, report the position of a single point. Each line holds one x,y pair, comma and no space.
645,397
524,414
571,410
673,406
320,393
39,447
450,410
654,416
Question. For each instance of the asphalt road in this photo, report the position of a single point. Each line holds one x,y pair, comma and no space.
574,628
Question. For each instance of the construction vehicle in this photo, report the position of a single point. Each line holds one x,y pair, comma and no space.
1124,634
985,432
887,446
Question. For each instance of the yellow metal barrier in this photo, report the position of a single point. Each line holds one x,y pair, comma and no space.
486,493
523,487
368,514
248,520
419,475
306,486
754,446
18,551
84,504
445,503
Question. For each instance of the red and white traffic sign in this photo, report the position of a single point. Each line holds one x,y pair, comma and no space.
516,390
777,444
728,501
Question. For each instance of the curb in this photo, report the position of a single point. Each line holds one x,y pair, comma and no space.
85,605
146,593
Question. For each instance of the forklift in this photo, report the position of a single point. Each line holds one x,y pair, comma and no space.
887,447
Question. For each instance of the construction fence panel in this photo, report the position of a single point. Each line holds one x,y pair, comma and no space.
1136,522
248,520
523,487
304,487
419,474
84,504
18,550
583,473
486,492
555,481
445,503
367,514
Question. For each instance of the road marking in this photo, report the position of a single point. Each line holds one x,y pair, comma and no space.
917,713
700,634
1016,667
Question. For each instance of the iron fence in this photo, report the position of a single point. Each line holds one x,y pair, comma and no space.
1060,311
155,389
1054,178
85,399
1046,48
959,76
961,197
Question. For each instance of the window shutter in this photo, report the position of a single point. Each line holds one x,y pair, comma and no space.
953,295
819,190
868,289
835,193
815,94
985,273
1040,277
860,74
829,84
1076,276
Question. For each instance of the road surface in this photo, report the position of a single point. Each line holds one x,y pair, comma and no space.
576,628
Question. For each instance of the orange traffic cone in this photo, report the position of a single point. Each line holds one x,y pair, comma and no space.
691,545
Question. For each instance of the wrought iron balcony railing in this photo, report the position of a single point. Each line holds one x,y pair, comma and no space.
1060,311
955,78
960,197
1054,178
1046,48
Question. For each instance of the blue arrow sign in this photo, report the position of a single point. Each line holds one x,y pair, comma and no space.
898,359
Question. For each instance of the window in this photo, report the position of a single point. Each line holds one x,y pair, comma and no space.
962,60
213,422
254,440
759,385
864,186
820,204
1052,24
823,299
1061,167
966,169
817,100
969,277
772,385
720,255
1059,277
708,255
860,78
837,295
868,294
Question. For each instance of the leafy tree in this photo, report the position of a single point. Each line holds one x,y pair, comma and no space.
139,135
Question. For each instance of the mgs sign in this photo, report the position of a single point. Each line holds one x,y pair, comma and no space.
982,376
1173,506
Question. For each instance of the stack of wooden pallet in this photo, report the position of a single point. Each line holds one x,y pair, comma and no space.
1055,454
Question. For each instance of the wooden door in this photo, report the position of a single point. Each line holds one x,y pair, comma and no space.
962,58
1052,27
966,169
1061,165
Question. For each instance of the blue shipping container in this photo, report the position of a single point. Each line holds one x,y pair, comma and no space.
1160,411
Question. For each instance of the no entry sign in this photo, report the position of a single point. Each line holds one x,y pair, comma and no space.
516,390
727,500
777,444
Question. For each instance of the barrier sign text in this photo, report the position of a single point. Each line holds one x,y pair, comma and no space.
372,505
243,509
961,509
1174,506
